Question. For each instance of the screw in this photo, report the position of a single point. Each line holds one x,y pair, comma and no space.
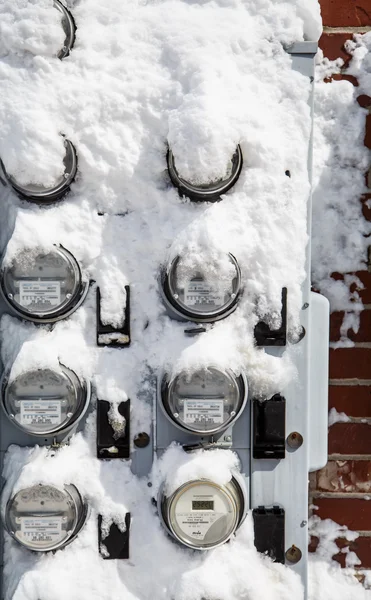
141,440
176,296
305,305
295,440
10,296
66,175
293,554
149,484
233,296
227,438
68,296
176,415
11,416
233,413
69,415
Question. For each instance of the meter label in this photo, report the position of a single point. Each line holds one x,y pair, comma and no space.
203,411
40,412
200,292
39,294
197,524
41,529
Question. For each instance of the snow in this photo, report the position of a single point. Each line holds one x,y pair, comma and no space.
201,77
335,417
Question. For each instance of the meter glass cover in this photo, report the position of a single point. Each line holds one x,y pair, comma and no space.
203,514
198,297
44,401
42,517
204,401
42,285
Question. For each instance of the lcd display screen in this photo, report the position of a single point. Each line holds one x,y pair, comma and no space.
203,505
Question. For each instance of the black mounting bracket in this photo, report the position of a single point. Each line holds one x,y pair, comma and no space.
265,336
269,427
116,544
114,337
109,446
269,530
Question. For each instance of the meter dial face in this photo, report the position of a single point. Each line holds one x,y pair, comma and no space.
45,401
44,195
43,287
202,514
205,401
197,299
209,192
43,517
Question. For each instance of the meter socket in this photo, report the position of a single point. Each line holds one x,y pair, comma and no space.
191,295
204,402
43,287
45,401
45,517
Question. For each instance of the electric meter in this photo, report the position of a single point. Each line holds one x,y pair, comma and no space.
195,298
202,514
204,402
44,517
42,194
209,191
43,287
69,29
45,401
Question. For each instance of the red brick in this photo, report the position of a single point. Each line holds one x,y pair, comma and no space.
368,132
346,13
332,45
343,77
363,334
346,363
365,294
349,438
364,101
354,400
345,476
366,210
361,546
355,513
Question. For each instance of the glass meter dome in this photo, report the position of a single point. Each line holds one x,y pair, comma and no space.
209,192
204,402
45,401
69,29
43,287
202,514
195,298
44,517
47,194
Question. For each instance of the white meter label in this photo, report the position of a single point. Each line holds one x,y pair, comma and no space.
40,412
196,524
41,529
36,293
203,411
200,292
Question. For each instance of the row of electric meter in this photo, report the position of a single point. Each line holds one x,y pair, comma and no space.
47,287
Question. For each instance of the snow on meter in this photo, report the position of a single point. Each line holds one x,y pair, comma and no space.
208,192
43,287
45,401
204,402
42,194
44,517
200,293
202,514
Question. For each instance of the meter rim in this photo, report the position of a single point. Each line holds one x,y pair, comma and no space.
69,307
81,509
69,27
211,192
85,387
54,193
185,315
242,385
164,503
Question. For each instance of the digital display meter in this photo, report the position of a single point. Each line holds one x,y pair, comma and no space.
43,287
205,401
44,517
208,192
202,514
45,401
47,194
196,299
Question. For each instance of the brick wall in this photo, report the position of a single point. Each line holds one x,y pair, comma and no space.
342,490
